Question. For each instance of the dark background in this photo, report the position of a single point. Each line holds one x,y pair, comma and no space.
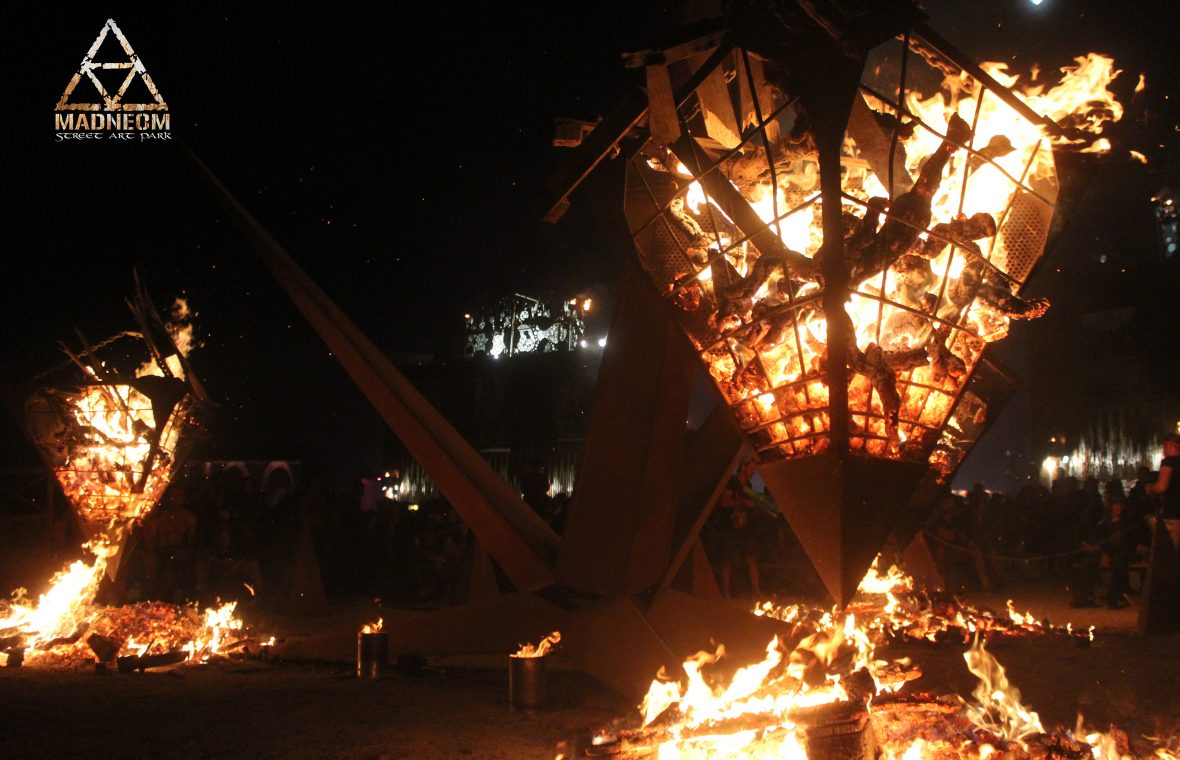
396,155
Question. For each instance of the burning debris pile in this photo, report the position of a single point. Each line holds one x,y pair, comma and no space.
114,443
890,607
823,690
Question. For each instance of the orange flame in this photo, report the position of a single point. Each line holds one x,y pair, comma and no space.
544,647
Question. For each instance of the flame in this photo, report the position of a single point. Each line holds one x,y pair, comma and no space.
894,579
763,710
218,624
998,708
66,605
544,647
179,326
373,627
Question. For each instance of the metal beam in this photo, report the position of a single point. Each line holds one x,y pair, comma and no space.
619,534
513,534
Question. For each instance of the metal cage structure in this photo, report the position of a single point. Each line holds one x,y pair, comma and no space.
728,223
111,449
115,439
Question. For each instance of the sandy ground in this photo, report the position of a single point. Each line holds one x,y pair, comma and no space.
457,708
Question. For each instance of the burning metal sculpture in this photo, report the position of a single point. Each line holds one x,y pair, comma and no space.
114,443
840,212
945,196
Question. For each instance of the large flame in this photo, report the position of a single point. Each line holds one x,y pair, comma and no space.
63,608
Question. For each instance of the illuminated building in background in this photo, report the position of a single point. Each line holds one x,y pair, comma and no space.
520,324
521,391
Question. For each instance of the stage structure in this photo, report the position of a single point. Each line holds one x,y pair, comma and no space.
833,211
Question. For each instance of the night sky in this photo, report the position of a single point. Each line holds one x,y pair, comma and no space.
396,156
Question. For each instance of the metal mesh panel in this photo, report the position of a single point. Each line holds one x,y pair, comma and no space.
111,456
1022,237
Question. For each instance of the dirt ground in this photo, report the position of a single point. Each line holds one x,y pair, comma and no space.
457,708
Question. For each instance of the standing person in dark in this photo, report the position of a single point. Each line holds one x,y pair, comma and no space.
738,534
1160,609
534,486
1167,487
1122,541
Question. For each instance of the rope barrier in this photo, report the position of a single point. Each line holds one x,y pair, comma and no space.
1010,558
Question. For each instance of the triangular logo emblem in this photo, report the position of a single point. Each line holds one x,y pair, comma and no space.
112,101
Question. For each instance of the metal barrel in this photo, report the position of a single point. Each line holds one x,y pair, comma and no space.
372,654
527,682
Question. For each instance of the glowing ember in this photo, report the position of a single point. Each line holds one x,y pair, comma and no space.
544,647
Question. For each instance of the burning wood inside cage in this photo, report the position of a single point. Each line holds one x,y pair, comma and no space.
112,446
112,441
947,185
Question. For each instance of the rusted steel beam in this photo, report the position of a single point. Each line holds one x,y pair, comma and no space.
619,533
710,456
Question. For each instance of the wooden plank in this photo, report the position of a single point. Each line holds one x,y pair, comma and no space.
662,119
675,53
874,144
717,107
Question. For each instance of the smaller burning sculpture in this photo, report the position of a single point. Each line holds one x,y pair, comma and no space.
114,443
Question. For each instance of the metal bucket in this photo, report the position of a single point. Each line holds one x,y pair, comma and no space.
372,654
527,682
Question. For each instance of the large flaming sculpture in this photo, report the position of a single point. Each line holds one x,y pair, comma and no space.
113,442
841,212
